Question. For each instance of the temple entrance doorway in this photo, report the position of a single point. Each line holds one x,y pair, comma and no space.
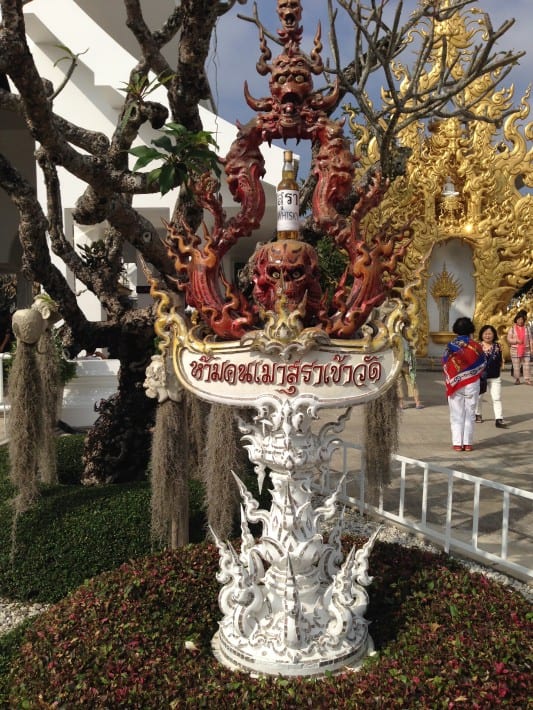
451,291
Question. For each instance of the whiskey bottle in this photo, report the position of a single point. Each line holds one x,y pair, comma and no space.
288,200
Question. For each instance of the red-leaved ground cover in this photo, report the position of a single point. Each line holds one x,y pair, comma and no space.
445,638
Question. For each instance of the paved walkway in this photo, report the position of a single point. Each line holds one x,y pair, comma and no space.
503,455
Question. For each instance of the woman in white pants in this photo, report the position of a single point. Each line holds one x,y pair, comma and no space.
463,362
493,358
462,416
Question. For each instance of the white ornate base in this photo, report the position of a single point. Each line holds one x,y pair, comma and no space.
292,604
233,654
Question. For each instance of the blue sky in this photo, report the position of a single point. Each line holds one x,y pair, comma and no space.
236,49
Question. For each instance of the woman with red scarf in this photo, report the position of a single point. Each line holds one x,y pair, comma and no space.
519,338
463,363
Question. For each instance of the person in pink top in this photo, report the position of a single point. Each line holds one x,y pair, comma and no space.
520,340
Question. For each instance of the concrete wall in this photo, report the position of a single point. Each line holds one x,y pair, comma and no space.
95,380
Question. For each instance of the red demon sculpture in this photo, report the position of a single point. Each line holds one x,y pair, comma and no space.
288,267
292,111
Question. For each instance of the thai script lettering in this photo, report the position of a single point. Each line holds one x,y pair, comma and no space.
288,199
289,376
288,213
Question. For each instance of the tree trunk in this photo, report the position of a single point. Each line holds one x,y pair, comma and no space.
117,448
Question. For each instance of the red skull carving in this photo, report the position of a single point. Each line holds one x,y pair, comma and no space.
289,268
290,84
290,13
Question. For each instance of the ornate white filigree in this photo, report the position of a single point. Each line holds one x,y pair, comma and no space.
160,382
290,605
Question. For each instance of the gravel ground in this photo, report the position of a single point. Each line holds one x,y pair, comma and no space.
13,613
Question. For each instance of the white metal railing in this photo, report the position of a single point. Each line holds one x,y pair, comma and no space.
455,510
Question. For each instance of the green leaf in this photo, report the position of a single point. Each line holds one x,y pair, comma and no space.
145,155
142,162
166,178
164,79
160,80
204,137
142,150
165,143
175,128
180,174
189,154
153,175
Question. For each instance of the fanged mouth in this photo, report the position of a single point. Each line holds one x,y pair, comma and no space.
291,98
290,20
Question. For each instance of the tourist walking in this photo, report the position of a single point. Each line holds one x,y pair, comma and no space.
491,380
406,383
463,363
519,338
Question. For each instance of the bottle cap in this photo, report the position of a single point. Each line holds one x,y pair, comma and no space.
287,156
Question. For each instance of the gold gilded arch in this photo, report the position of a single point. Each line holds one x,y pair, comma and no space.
467,181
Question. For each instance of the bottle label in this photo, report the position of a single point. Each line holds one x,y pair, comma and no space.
288,210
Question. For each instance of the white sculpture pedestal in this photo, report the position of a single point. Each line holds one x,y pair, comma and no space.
291,604
291,607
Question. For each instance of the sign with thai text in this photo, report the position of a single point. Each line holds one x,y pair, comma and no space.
334,377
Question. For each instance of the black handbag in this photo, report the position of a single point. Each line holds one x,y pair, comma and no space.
482,385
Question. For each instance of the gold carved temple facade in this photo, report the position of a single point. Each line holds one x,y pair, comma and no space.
468,194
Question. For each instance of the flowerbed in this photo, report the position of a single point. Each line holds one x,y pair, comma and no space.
445,639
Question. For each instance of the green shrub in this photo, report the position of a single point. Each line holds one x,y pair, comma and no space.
75,532
69,452
4,463
197,518
7,490
72,534
445,638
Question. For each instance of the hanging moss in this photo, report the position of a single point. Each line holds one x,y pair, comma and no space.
170,464
197,418
48,364
380,441
25,425
222,455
